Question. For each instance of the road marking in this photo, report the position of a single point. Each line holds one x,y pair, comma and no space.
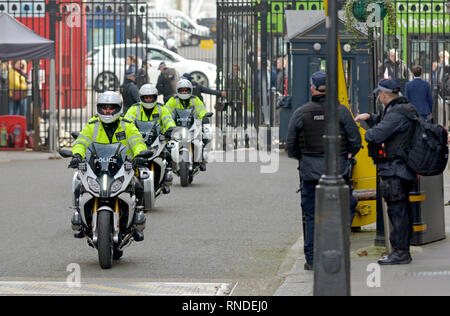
114,288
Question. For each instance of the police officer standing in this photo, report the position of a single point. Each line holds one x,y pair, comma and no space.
393,129
305,143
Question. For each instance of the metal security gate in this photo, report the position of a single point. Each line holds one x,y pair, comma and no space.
93,40
252,69
421,37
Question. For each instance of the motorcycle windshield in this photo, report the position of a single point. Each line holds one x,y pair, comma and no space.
184,118
107,158
149,130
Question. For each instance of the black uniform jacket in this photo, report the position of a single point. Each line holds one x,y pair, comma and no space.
313,167
383,128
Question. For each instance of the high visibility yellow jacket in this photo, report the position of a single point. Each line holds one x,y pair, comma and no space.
126,133
175,103
160,113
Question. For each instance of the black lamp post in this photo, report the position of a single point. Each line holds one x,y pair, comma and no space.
332,212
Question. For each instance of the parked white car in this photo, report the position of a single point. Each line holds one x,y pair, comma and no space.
177,25
105,65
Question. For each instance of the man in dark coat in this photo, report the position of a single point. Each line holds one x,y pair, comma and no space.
129,91
167,81
419,93
390,132
305,143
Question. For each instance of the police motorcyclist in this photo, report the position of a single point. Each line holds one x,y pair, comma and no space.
109,127
185,100
148,109
393,129
305,143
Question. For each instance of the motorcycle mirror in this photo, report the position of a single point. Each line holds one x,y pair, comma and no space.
65,153
75,135
209,114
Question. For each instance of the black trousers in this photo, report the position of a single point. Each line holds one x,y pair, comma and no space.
395,191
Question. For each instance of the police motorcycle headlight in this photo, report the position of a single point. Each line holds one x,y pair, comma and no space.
94,186
117,185
180,134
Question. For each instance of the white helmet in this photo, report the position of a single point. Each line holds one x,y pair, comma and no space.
184,83
148,90
111,98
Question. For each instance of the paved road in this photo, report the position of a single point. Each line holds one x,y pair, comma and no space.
233,226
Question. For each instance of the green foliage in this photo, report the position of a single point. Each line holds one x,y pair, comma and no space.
355,12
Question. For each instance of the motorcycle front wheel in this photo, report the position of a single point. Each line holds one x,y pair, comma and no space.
105,239
184,173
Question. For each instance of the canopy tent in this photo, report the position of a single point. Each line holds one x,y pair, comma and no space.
19,42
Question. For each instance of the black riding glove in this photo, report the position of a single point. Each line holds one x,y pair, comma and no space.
168,133
139,162
75,161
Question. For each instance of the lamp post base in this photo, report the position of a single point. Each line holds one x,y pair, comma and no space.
332,238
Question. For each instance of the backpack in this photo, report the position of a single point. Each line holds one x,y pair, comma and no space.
427,154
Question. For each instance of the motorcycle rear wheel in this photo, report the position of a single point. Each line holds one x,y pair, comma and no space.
105,239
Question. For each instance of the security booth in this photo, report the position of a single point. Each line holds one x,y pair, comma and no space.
306,33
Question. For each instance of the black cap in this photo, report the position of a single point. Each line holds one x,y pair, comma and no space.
187,76
319,81
388,85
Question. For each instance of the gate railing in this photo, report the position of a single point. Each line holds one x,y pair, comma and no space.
93,39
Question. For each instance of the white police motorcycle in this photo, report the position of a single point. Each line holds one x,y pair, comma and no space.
104,195
156,178
187,144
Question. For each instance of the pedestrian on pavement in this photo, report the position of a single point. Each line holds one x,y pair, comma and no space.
199,88
167,81
394,67
131,64
390,132
305,143
418,92
108,127
18,87
129,90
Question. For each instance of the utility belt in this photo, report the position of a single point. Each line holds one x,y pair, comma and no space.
379,155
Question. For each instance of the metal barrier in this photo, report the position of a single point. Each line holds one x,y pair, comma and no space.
251,65
93,39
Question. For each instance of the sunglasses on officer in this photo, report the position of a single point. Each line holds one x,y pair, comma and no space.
108,106
148,98
184,90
